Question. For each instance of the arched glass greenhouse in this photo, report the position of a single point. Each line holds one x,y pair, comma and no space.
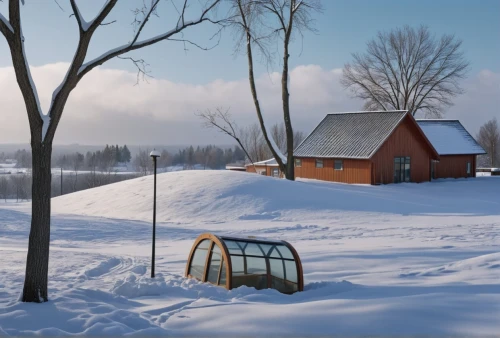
255,262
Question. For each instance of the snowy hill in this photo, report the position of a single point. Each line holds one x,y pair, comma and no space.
405,259
221,196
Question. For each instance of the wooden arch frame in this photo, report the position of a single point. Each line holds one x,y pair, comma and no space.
226,257
214,240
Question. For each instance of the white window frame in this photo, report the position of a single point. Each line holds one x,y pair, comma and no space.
318,160
341,165
298,162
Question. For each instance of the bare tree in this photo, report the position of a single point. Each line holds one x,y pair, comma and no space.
407,69
260,23
142,162
43,126
4,188
223,122
489,138
252,139
76,161
278,133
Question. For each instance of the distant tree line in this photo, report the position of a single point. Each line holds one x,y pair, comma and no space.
209,157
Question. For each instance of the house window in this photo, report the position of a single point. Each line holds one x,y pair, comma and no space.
469,169
339,165
275,173
402,169
298,162
319,163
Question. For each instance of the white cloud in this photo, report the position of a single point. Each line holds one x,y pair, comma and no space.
106,107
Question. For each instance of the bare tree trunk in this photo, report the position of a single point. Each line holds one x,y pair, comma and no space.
35,283
253,89
289,173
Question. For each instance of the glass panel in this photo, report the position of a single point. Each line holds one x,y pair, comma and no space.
397,160
402,170
197,267
257,281
285,252
204,244
291,271
256,274
277,269
213,270
216,248
237,265
298,162
266,248
233,247
468,168
275,253
222,280
256,266
319,163
338,165
253,249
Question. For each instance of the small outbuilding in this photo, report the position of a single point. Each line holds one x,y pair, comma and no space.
267,168
231,262
457,148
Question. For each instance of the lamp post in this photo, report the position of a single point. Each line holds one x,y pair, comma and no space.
154,155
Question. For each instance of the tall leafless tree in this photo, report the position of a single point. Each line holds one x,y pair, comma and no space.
223,121
43,126
489,138
260,24
407,69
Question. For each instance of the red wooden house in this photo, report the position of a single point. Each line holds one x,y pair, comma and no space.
366,148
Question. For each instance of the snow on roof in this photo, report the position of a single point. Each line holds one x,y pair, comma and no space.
449,137
270,163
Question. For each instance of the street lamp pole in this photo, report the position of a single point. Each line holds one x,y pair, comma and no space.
154,155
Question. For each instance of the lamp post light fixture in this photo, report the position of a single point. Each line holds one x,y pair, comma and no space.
154,155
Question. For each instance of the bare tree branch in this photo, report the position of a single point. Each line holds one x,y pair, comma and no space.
142,68
223,122
85,68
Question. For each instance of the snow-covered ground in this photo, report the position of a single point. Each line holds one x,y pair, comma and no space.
406,259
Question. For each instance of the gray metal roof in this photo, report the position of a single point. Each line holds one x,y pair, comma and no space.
350,135
449,137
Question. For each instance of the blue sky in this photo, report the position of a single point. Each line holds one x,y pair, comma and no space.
343,28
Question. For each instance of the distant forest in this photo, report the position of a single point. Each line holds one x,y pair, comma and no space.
110,165
115,157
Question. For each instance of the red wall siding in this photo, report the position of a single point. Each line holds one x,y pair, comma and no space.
455,166
354,171
404,141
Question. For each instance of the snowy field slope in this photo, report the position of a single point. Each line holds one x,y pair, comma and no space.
406,259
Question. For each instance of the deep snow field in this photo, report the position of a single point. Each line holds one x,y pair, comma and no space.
406,259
